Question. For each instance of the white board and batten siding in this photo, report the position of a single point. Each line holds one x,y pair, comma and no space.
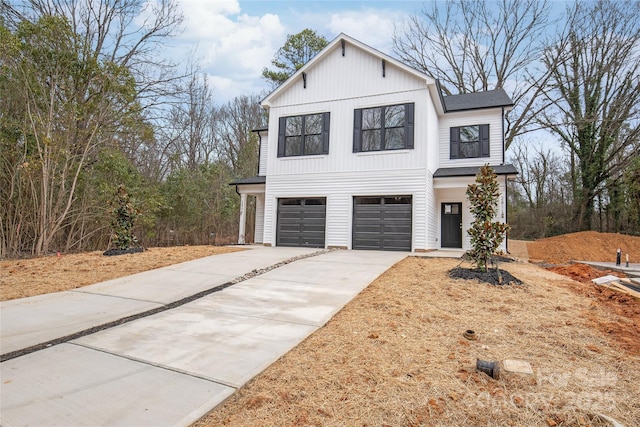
336,77
264,153
492,117
340,85
339,189
259,223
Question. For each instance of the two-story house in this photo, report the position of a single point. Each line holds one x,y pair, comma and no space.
364,152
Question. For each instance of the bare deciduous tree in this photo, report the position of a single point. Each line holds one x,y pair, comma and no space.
237,143
594,90
475,46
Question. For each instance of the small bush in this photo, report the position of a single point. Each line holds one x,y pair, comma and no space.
124,218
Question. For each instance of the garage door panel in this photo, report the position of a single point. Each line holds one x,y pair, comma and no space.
400,230
301,222
382,223
372,229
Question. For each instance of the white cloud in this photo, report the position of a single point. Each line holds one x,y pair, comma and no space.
373,27
227,88
234,40
232,47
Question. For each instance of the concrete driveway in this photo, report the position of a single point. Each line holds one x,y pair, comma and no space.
172,367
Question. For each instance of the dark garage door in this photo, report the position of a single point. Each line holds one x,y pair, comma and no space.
301,222
382,223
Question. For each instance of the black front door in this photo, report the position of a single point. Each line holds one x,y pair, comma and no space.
451,225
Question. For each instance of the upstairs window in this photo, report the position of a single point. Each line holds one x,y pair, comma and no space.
469,142
383,128
303,135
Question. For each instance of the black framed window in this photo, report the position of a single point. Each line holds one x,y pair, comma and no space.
383,128
468,142
303,135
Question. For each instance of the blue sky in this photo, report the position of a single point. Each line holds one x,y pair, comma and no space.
233,40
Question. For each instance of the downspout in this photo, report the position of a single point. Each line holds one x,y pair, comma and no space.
506,188
259,151
506,210
503,149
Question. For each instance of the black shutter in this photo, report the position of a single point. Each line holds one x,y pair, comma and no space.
325,132
408,131
282,131
454,145
484,140
357,131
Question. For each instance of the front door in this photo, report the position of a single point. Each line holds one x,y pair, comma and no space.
451,232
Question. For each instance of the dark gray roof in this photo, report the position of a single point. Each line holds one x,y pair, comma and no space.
507,169
261,128
251,180
477,100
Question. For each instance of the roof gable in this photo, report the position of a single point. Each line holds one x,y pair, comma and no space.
344,43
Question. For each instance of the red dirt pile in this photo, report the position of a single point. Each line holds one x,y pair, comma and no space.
582,272
584,246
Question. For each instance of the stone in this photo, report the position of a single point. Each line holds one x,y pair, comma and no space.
517,366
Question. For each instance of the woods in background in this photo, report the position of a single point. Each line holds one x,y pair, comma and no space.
87,103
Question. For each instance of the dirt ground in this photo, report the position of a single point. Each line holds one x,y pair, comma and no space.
396,356
29,277
583,246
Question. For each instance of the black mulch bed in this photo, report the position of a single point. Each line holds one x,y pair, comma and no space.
494,258
490,276
112,252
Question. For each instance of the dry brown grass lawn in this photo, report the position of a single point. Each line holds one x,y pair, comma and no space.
36,276
396,356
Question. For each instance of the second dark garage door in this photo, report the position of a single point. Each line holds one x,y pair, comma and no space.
382,223
301,222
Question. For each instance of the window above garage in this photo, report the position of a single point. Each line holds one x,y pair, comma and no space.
304,135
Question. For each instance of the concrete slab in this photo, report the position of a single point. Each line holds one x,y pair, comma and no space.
382,259
68,385
169,284
287,301
326,272
222,347
30,321
161,286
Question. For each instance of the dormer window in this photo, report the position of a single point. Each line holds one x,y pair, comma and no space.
383,128
303,135
469,142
